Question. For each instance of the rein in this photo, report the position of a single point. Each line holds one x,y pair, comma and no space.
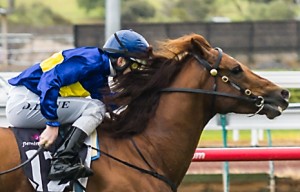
208,92
249,97
151,172
24,163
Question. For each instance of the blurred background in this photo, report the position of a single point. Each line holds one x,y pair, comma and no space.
263,34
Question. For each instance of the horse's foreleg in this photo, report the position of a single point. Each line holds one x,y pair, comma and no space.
14,181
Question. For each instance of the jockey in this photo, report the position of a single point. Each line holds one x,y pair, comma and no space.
66,89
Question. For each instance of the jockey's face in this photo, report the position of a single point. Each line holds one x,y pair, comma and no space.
121,61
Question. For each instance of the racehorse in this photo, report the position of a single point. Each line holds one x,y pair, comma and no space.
149,145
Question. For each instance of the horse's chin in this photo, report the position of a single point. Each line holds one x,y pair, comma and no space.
272,111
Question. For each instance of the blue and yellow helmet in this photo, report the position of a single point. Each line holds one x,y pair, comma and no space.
126,43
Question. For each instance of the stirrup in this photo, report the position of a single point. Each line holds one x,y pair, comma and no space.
71,173
84,172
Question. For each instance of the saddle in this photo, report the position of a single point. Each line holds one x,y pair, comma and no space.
37,170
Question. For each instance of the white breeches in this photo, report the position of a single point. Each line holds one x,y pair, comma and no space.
23,110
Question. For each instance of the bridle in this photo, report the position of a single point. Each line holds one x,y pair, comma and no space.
247,94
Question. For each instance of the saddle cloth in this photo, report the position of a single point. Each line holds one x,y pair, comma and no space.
37,170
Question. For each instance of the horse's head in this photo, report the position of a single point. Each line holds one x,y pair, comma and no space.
233,83
214,82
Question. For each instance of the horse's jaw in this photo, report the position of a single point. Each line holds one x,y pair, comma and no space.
274,106
272,111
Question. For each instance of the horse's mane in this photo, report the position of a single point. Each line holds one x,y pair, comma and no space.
139,91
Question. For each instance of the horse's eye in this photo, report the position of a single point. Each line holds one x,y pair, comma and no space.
236,70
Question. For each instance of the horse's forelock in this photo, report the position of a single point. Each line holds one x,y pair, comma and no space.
173,47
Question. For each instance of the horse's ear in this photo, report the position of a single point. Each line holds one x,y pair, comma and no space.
199,49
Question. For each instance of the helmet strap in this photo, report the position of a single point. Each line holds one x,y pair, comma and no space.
120,69
129,63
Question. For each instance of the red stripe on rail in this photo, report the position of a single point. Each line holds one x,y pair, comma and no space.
247,154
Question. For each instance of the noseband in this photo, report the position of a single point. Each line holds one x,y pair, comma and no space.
247,94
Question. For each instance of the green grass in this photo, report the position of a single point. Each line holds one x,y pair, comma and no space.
68,9
279,137
218,178
246,134
71,11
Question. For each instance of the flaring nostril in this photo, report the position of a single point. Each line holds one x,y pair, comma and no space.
285,94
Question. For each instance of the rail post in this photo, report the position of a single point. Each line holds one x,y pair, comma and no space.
225,164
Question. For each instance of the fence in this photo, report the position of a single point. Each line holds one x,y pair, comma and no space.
247,154
236,37
289,120
245,38
27,49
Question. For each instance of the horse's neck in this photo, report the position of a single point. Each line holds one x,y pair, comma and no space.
174,132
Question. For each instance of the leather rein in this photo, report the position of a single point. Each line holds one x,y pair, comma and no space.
247,94
151,172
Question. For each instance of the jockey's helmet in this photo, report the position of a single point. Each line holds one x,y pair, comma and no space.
126,43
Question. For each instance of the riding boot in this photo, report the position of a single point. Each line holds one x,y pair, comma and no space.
66,164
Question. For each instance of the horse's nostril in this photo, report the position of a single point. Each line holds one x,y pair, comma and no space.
285,94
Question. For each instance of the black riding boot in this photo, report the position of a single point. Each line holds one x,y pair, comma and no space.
66,164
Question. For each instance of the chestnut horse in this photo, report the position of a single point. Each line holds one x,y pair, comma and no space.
149,145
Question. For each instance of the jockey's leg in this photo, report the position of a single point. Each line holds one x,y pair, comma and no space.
66,164
84,114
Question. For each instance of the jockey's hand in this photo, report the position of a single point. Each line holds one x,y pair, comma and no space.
48,136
